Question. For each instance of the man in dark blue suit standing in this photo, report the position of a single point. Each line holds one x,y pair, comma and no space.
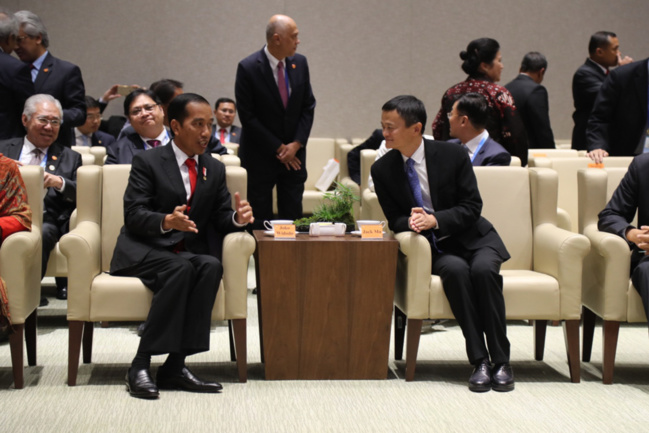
15,82
276,106
467,121
51,75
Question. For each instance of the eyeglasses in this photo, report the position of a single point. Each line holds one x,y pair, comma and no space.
143,109
93,116
19,39
44,121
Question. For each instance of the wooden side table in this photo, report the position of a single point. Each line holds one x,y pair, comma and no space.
325,306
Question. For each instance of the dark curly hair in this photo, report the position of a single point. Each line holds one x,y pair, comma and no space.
483,50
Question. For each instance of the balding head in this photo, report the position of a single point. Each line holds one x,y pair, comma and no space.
282,36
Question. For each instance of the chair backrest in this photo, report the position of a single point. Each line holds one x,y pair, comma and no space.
506,197
318,152
515,161
340,153
33,179
551,153
99,152
596,186
368,156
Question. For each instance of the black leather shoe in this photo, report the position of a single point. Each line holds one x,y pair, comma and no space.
44,302
140,384
480,380
186,381
62,293
502,377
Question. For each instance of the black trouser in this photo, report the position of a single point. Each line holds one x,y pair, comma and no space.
290,189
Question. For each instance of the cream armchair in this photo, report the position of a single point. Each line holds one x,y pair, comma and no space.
542,280
607,290
94,295
20,267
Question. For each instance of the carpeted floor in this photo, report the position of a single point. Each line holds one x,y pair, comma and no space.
438,399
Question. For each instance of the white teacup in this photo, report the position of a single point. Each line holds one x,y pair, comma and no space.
361,223
269,224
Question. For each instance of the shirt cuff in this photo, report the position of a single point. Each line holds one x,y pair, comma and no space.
62,186
234,221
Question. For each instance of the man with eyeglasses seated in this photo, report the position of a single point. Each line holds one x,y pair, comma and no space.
143,110
42,118
89,134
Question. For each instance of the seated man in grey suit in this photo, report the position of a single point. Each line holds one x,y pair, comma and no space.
225,111
143,110
467,121
42,118
429,187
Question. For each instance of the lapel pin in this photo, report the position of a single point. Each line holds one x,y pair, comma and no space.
293,66
233,133
54,157
46,70
204,173
51,167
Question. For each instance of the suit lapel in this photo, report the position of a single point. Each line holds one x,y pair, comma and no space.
15,148
433,171
53,158
44,72
641,82
170,167
268,74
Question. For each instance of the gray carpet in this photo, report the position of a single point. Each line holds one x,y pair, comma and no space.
438,399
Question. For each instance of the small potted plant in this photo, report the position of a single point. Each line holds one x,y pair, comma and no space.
337,207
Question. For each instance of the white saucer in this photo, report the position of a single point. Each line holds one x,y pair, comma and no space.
269,232
358,233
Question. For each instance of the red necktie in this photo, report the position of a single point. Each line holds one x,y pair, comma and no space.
281,83
222,135
191,165
153,143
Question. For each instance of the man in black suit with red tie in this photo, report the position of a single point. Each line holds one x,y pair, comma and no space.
175,195
51,75
276,105
15,80
603,53
429,187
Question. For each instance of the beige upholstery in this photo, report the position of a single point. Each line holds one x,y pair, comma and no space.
566,168
542,280
94,295
233,148
515,161
607,288
20,267
563,143
318,152
341,151
549,153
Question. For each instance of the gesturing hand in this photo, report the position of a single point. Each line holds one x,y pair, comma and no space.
243,209
179,221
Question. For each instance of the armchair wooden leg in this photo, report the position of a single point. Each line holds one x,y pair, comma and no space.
588,332
233,352
16,348
540,326
88,331
240,342
75,332
30,338
571,333
412,346
611,331
399,332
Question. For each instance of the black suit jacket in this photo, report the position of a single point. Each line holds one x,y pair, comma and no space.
155,188
63,80
235,134
61,161
619,116
491,153
15,87
123,150
266,124
585,85
354,155
630,195
101,138
453,190
531,100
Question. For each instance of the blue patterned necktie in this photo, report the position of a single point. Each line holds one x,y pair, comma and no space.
415,187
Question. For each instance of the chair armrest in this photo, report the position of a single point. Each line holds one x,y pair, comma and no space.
20,267
563,219
412,291
237,249
606,274
560,253
82,248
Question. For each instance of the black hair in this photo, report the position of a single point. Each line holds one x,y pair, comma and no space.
92,102
483,50
165,89
600,39
534,62
474,106
224,101
134,94
411,109
178,106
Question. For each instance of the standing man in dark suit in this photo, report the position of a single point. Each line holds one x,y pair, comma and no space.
225,110
630,197
276,105
143,109
603,53
429,187
15,80
51,75
618,123
89,134
175,194
42,118
531,99
468,122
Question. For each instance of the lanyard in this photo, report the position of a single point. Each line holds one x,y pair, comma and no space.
477,149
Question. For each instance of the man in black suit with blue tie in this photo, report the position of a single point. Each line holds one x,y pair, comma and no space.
429,187
175,196
15,80
276,105
51,75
